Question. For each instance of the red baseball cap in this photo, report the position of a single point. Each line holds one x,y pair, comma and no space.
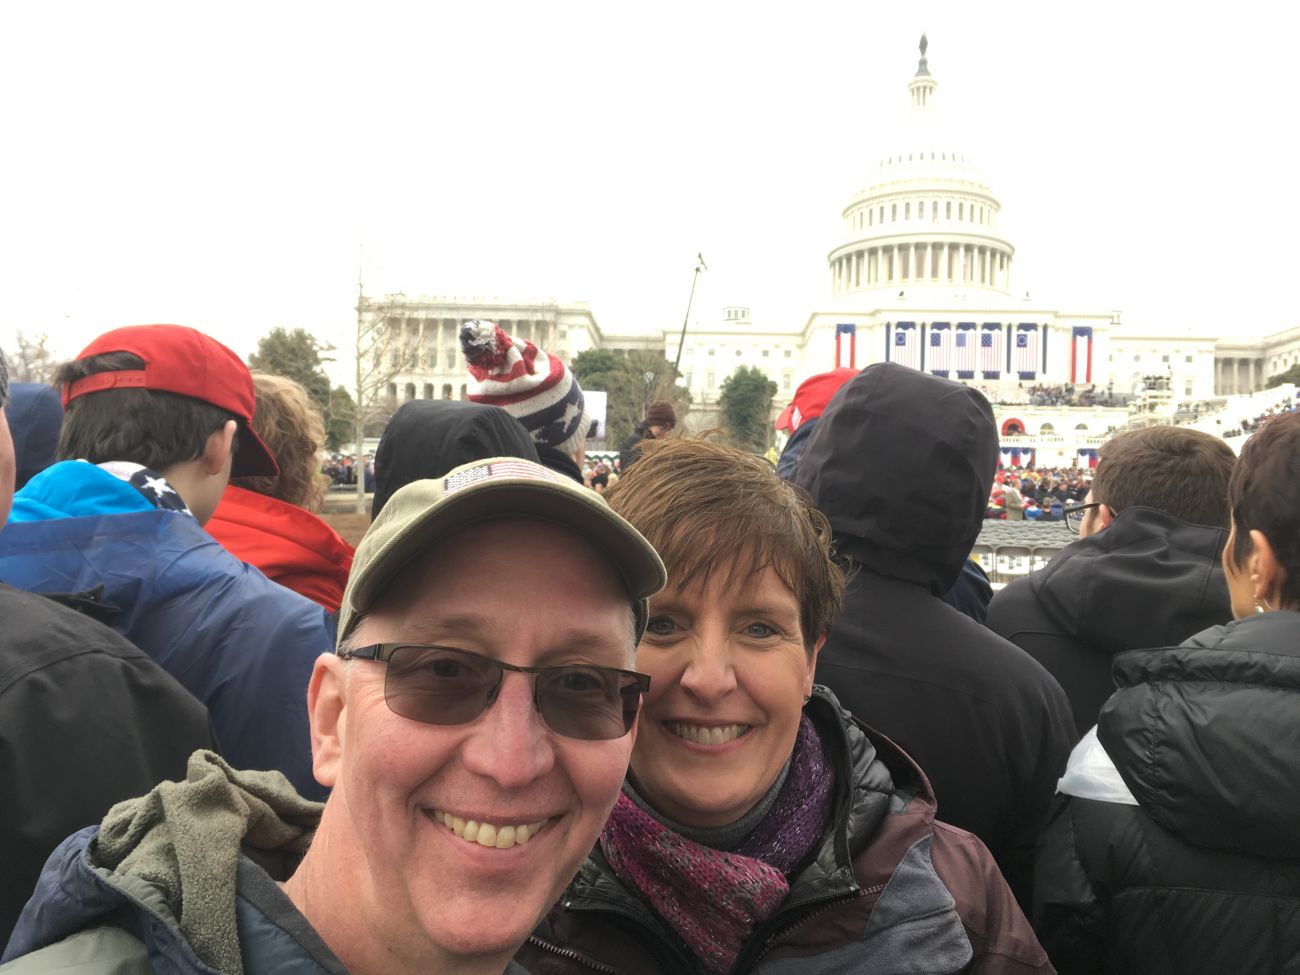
814,395
184,361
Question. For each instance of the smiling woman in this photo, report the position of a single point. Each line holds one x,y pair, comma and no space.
760,820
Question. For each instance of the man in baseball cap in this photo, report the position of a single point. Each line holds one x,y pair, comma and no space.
157,417
475,725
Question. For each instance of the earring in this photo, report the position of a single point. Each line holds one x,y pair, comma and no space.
1261,605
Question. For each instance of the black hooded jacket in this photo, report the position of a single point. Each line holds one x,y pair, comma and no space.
901,464
429,437
1148,580
1191,864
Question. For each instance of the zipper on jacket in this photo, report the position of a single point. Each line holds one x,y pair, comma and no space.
660,934
749,959
571,955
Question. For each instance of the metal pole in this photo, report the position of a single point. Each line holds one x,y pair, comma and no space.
700,266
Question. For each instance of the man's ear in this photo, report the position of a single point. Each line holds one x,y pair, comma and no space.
1266,572
1105,515
217,450
326,711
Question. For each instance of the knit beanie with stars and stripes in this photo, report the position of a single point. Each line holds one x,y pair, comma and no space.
537,389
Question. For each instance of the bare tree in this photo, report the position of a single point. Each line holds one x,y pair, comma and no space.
388,344
33,361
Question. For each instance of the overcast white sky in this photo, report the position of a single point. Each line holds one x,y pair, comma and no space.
221,165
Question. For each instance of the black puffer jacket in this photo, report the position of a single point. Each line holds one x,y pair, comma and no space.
990,727
1148,580
888,889
1202,875
86,720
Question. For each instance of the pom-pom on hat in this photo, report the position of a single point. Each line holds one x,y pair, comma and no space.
534,387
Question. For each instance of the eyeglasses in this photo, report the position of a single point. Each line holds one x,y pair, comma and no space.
1076,513
446,686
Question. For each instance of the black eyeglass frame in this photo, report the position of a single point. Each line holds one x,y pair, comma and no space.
1075,509
383,653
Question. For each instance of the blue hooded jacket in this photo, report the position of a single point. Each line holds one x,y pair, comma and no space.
240,643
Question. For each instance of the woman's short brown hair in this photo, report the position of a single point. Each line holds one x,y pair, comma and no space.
291,426
708,508
1264,495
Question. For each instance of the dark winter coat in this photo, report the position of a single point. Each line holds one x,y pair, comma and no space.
35,415
990,727
1147,580
888,889
241,644
627,451
86,720
427,438
1187,862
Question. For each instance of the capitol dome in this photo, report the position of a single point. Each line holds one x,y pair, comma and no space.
927,219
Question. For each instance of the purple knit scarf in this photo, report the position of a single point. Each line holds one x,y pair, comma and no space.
714,899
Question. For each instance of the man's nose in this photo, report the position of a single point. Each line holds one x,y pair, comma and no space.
510,744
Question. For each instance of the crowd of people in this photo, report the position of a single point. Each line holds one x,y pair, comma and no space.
1007,393
696,717
1036,494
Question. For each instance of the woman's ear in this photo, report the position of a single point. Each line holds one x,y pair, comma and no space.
812,665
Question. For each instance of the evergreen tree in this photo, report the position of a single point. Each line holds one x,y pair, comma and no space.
746,406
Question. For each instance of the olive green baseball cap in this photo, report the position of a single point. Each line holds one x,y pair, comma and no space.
424,512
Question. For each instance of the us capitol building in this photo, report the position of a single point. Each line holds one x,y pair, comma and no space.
921,276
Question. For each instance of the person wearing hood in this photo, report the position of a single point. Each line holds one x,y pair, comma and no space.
533,386
429,437
270,520
1176,849
990,727
1144,573
971,592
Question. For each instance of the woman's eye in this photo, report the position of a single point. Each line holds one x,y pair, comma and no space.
660,626
760,630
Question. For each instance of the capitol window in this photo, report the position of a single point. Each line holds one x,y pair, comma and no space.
765,353
948,211
1187,359
870,214
713,351
907,211
882,214
961,211
920,210
708,380
893,211
788,353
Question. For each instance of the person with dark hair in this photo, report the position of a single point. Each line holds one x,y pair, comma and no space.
1175,849
660,420
86,719
1145,571
759,820
429,437
158,418
990,727
35,415
533,386
270,520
